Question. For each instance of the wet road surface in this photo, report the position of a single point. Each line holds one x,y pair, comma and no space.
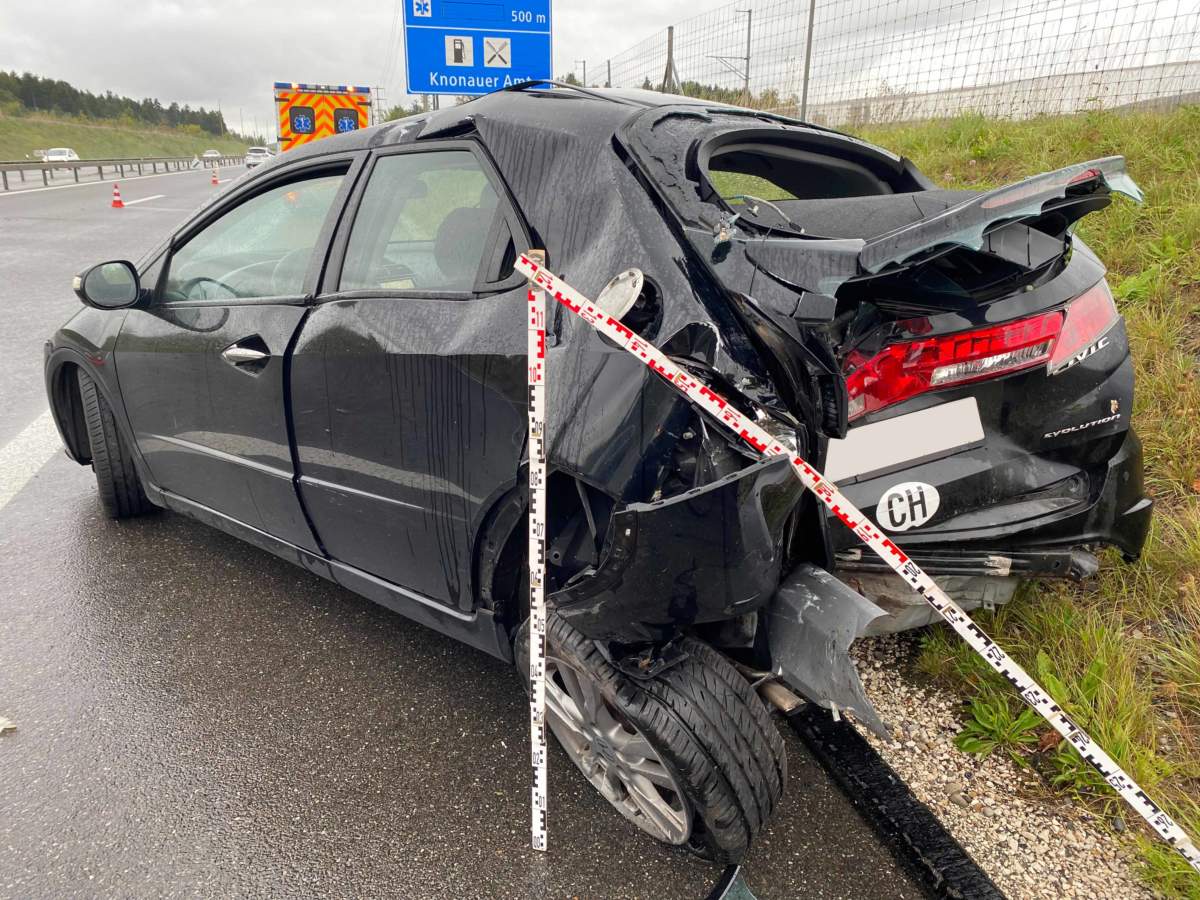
196,717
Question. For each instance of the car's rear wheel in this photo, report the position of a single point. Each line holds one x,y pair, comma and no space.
121,492
690,756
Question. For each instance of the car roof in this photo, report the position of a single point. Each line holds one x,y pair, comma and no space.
593,111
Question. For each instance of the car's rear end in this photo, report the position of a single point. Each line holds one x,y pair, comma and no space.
983,412
993,440
256,156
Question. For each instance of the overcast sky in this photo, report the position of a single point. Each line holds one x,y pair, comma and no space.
230,52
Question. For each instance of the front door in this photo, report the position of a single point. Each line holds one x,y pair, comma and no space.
409,377
203,368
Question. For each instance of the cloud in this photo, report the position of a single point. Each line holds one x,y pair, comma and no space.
228,53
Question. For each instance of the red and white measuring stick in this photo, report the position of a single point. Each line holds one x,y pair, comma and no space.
751,434
536,357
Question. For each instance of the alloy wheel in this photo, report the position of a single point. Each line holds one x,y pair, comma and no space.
613,755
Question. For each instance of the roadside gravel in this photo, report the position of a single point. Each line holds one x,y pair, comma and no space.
1031,846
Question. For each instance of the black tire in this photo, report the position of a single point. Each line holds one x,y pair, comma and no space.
120,487
709,728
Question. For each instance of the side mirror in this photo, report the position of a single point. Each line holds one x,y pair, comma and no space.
109,285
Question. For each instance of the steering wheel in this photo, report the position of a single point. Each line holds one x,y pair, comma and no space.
187,287
280,287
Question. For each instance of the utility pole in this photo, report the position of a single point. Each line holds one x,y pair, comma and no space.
583,62
608,80
377,110
746,81
670,82
812,8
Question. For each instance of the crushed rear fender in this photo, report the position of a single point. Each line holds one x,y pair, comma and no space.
705,555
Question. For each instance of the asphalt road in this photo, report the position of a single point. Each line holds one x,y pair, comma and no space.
197,718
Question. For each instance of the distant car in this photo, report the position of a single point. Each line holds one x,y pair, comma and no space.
256,156
61,154
211,154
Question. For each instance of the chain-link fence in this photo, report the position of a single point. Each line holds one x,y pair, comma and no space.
849,62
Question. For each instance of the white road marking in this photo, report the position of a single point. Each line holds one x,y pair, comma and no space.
24,455
144,199
17,192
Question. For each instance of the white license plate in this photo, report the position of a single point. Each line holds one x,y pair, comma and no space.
909,439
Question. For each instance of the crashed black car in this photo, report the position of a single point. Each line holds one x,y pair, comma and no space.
328,360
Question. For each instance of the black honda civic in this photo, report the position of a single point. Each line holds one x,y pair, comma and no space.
328,360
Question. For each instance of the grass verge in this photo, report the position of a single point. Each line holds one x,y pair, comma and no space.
21,135
1122,652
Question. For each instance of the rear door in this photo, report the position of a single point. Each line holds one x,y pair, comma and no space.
203,369
408,379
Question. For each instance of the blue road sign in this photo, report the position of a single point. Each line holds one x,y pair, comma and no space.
475,46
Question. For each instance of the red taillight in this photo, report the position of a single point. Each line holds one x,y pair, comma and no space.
1089,316
904,370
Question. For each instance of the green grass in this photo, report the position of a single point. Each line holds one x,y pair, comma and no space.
21,135
1122,652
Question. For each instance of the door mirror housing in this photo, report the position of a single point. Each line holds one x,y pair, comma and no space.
108,285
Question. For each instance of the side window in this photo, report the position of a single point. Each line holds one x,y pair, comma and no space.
424,223
260,248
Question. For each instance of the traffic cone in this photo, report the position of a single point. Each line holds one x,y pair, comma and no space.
215,181
117,204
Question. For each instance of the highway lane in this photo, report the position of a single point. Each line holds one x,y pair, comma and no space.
196,717
46,237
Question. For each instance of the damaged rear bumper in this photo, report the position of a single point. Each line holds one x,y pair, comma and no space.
706,555
811,623
1037,535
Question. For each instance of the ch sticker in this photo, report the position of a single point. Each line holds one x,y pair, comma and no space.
907,505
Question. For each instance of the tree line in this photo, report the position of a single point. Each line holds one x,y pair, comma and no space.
34,93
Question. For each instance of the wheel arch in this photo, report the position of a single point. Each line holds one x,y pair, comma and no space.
576,540
62,388
66,406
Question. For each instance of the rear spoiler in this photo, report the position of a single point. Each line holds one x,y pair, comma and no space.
966,223
796,278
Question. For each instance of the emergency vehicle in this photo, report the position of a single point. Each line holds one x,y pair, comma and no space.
308,112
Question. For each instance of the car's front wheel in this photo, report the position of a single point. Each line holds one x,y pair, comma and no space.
690,756
121,492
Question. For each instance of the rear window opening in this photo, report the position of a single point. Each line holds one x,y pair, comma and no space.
775,172
820,186
799,167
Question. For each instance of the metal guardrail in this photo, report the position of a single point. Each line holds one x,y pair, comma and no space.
118,166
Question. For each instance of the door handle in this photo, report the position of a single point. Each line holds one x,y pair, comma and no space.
249,353
238,355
